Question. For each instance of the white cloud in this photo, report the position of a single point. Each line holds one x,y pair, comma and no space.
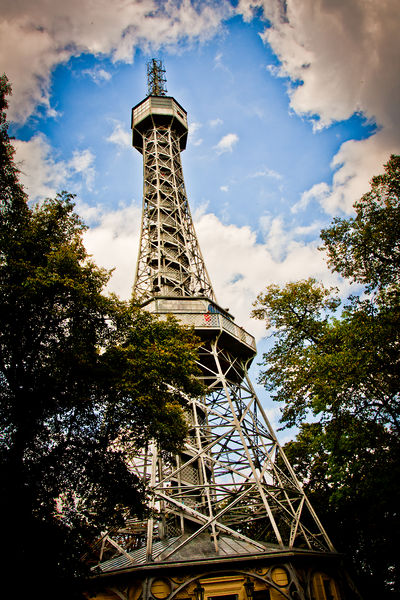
221,65
267,173
328,47
45,34
98,75
312,228
194,128
120,136
357,162
278,237
42,175
275,70
82,162
240,267
224,188
226,143
275,239
344,58
218,60
215,122
114,243
318,192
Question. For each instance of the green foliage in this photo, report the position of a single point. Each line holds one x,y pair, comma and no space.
343,369
85,380
350,470
296,313
366,248
324,365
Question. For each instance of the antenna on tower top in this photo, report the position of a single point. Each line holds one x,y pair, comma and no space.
156,80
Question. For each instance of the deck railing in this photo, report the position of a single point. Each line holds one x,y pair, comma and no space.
217,321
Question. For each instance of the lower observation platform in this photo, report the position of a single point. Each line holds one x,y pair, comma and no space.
208,319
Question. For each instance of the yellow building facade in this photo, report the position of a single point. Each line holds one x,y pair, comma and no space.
287,580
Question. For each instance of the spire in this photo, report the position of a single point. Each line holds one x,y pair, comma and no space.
156,80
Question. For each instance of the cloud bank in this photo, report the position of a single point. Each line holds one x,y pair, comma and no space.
238,265
343,58
43,176
45,34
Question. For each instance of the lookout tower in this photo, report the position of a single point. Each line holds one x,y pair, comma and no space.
229,519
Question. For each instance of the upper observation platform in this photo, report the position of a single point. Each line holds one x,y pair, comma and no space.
156,111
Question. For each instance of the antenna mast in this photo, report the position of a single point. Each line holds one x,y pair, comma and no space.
156,80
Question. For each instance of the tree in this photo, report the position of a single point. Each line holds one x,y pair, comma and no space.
351,472
366,248
339,372
326,365
85,379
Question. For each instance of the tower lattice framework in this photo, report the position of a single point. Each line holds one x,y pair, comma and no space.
231,494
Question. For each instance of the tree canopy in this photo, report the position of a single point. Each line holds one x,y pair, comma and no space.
85,379
366,248
335,366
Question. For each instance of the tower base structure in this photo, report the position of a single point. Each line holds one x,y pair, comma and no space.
235,574
229,520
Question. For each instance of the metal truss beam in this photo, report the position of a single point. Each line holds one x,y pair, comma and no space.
170,262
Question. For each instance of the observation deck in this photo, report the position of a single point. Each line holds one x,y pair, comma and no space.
158,111
208,319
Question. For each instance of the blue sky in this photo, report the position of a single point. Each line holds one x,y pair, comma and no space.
292,108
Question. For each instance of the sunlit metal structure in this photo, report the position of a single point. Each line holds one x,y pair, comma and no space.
229,508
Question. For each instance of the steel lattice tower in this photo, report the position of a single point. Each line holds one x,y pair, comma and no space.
231,496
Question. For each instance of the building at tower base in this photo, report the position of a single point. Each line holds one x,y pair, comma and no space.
236,573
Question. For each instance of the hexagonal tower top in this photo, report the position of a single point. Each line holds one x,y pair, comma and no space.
158,109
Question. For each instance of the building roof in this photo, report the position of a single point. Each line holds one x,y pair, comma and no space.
201,547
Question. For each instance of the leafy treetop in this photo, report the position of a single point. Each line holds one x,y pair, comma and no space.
85,380
341,370
366,248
